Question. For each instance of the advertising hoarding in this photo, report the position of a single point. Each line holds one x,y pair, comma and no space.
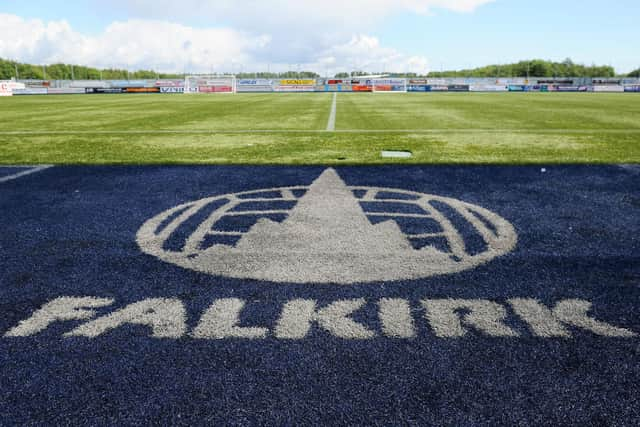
340,87
255,82
30,91
5,90
389,85
103,90
264,88
361,88
128,83
142,90
214,82
65,90
297,82
572,88
458,88
389,82
8,86
169,83
254,85
295,85
165,89
608,88
88,83
215,89
487,88
295,88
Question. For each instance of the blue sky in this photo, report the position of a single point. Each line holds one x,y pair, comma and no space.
409,35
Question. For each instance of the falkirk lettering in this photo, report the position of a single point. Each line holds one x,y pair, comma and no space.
166,318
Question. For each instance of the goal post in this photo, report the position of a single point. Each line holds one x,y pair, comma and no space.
209,84
389,85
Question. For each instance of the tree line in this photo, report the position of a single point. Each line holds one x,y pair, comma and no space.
534,68
12,69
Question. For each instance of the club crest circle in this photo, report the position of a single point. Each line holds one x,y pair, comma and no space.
327,233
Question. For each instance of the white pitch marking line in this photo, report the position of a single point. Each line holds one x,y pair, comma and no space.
24,173
331,124
303,131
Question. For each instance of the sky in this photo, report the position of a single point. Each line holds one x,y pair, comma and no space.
327,36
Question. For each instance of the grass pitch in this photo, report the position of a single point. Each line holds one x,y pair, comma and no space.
291,128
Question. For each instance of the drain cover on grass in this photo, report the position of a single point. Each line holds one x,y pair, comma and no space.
395,154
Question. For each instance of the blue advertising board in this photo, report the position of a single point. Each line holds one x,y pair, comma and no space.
129,83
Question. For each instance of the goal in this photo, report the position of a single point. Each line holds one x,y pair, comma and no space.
210,84
389,85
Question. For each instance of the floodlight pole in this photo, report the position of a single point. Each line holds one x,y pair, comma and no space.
17,73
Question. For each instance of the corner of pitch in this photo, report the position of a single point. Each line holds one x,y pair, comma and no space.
166,318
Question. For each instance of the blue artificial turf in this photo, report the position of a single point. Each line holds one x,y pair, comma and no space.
70,231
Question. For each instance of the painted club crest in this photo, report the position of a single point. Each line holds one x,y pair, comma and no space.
327,233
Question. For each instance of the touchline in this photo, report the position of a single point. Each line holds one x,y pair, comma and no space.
166,318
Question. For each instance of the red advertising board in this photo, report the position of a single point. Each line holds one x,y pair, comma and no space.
215,89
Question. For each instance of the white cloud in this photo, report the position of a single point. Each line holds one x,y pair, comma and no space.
252,35
365,53
352,14
133,44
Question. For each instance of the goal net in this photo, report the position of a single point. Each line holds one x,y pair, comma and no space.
210,84
389,85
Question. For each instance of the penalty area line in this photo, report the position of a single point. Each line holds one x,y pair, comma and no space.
33,169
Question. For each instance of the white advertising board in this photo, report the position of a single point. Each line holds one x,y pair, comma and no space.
608,88
7,87
166,89
488,88
170,83
65,90
30,91
295,88
5,90
255,82
88,83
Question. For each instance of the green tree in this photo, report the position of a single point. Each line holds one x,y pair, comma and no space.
634,73
533,68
